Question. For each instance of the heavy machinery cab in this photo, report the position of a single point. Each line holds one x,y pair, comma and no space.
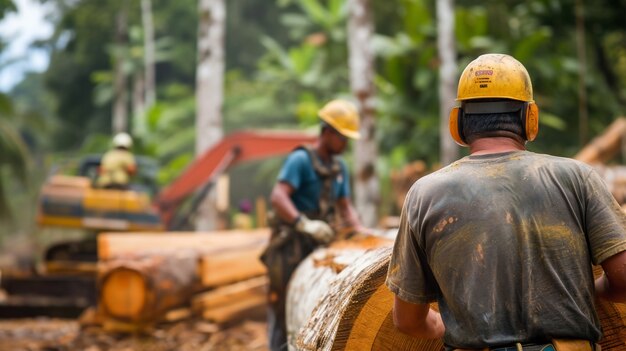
70,199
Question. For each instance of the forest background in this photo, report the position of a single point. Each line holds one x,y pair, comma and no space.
283,60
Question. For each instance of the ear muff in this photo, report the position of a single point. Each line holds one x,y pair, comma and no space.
531,121
454,125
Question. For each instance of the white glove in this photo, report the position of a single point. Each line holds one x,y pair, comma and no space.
319,230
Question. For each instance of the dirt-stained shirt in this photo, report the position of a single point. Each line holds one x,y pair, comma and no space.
504,243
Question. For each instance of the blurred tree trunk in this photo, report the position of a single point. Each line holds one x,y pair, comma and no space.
148,39
139,103
581,50
361,62
120,87
447,78
209,94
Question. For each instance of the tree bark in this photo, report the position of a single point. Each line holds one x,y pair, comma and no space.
149,52
120,79
447,78
361,62
581,50
142,276
140,290
139,104
337,300
209,94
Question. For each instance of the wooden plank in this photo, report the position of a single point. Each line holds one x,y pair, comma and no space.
234,311
231,266
111,245
228,294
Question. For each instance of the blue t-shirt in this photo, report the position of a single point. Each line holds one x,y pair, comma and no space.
298,171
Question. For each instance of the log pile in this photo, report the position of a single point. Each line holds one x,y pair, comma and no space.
142,276
351,307
601,151
403,179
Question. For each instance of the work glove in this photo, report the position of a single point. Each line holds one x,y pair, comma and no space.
319,230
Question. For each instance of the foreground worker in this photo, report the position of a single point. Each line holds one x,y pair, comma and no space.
312,188
118,164
504,239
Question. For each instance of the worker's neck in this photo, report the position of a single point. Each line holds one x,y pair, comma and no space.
495,145
323,152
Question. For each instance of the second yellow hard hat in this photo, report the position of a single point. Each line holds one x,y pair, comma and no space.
343,116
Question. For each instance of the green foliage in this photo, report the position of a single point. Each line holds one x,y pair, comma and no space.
13,154
285,58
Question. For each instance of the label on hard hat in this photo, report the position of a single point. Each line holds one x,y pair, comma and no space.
483,77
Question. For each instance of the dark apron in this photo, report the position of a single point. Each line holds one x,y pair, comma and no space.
288,247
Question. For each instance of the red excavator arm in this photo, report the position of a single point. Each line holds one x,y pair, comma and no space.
231,150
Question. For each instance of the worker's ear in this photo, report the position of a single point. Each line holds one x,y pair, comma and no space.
454,125
530,112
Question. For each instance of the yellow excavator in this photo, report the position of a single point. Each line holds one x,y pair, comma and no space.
71,201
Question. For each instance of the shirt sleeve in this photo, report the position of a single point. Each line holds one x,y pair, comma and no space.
291,171
604,220
409,275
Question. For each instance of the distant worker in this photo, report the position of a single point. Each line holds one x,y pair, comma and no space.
504,239
117,165
313,187
243,219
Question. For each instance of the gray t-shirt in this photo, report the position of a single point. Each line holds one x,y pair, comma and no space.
504,243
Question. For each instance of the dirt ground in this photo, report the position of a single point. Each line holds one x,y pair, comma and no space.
190,334
44,334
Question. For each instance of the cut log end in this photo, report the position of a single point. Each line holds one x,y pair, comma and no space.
124,293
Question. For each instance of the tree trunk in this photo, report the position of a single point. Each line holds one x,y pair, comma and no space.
337,300
361,62
149,60
139,104
348,307
140,290
209,93
581,50
120,88
447,78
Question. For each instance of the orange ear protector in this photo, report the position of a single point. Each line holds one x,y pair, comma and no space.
529,111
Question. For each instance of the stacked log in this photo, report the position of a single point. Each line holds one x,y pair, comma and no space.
352,307
227,303
142,276
604,147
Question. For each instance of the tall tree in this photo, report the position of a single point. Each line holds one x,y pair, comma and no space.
120,84
209,94
581,50
13,153
149,52
447,77
361,63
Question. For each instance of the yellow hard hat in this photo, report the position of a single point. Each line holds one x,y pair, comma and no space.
343,116
496,76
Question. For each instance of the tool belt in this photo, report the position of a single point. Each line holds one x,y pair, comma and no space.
555,345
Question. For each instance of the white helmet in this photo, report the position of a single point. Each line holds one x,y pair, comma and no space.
122,140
